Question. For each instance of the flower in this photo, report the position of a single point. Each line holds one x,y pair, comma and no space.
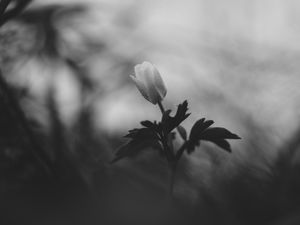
149,82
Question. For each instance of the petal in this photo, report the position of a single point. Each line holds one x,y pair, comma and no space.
146,64
133,75
149,82
138,70
159,83
154,95
140,86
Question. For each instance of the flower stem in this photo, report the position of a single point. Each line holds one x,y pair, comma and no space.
182,148
171,159
161,107
180,151
172,166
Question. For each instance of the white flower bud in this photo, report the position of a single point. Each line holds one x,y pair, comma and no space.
149,82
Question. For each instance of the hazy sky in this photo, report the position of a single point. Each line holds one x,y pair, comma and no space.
273,22
203,48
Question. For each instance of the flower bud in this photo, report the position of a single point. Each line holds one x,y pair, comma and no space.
149,82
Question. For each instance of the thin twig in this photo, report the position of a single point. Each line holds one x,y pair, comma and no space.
3,6
11,13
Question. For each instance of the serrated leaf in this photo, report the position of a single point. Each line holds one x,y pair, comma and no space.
169,123
141,138
198,128
156,127
134,147
147,123
217,135
142,133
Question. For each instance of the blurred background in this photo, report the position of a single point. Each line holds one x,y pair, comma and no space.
68,64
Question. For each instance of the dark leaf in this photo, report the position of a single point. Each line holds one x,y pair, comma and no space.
152,125
147,123
182,132
198,128
191,145
134,147
218,133
169,123
222,144
141,138
142,133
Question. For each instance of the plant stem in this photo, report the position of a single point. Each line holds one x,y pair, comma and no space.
3,6
182,148
172,166
161,107
180,151
171,159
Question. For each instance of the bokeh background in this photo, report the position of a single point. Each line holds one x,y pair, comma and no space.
235,61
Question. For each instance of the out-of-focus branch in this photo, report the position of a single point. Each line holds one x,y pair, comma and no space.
3,6
6,15
20,118
19,115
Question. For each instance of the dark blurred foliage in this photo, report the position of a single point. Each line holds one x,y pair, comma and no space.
59,173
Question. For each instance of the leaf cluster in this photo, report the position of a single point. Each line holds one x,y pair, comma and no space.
159,136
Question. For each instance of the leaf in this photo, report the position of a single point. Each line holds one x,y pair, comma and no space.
141,138
142,133
147,123
169,123
134,147
198,128
222,144
217,135
152,125
182,132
